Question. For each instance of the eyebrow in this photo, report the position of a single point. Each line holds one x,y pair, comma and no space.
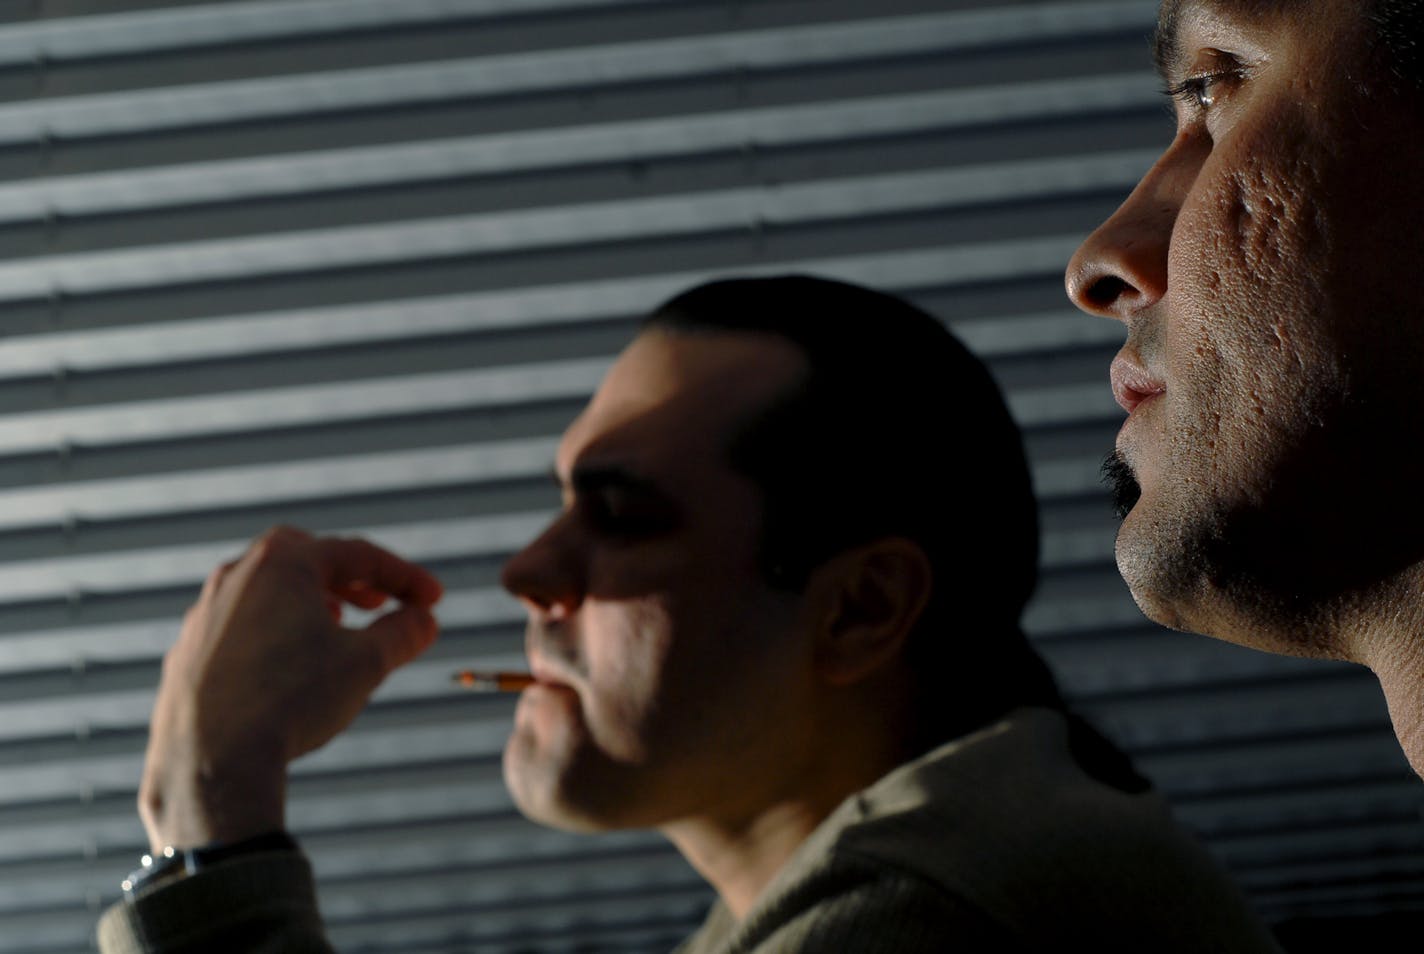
1167,39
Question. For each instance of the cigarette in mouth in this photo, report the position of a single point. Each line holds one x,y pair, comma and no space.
492,681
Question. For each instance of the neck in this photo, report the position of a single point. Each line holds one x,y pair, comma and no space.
1394,650
1404,692
1379,625
740,859
740,855
1385,631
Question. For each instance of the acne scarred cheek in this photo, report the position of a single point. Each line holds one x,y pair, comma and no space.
1268,222
1253,331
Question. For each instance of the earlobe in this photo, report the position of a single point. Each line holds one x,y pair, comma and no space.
869,600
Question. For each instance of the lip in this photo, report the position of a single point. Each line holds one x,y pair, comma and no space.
549,676
1132,384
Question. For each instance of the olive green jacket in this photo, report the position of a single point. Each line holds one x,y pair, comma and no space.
998,842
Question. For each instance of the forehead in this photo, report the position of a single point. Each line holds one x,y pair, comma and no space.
1178,17
673,401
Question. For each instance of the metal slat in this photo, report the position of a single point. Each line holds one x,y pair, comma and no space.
180,565
129,113
1111,605
384,750
142,190
1408,871
487,537
660,218
135,497
1065,404
213,24
1392,835
299,406
81,647
1223,716
484,842
373,324
66,506
1076,475
86,713
98,829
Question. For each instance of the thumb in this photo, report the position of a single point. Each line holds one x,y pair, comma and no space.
397,637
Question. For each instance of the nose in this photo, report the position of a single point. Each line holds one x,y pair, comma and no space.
547,576
1121,269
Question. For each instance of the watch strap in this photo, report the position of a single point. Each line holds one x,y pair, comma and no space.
171,863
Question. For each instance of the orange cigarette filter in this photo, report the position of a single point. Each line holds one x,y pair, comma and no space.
493,681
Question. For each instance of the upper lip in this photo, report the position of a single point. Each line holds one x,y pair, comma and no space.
1132,383
548,671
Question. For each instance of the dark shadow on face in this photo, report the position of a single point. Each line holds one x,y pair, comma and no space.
1121,483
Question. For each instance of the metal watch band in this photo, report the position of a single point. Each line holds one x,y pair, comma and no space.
173,864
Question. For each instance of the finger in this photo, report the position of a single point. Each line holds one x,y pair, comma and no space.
346,562
359,594
215,578
398,637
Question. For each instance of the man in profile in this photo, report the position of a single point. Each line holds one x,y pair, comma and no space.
1267,271
767,621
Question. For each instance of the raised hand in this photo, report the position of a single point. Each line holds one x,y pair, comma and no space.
263,672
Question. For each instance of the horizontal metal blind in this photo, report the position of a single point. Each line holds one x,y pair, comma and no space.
354,264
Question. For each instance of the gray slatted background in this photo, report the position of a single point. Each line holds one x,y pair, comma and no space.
354,264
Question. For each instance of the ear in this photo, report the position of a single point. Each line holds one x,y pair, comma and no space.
867,601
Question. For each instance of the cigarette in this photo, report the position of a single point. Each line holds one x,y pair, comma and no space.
493,681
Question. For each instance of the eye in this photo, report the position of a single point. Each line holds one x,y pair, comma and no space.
1212,79
613,515
1195,94
1199,94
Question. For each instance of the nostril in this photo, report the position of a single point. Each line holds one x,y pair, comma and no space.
1105,291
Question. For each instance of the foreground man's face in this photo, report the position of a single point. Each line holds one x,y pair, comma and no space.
1267,269
669,671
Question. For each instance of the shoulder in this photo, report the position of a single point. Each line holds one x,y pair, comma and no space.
1010,824
999,842
857,904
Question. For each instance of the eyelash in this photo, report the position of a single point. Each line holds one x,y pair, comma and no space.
1195,92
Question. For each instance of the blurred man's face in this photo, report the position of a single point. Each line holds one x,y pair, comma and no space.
671,677
1268,271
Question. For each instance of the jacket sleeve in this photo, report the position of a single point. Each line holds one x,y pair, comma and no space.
263,904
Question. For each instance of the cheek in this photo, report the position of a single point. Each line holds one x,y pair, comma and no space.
1258,242
1249,346
627,649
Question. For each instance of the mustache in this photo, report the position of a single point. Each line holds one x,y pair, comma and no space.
1122,484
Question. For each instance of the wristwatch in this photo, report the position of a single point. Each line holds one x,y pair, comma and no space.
174,864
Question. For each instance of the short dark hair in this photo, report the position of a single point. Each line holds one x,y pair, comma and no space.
896,430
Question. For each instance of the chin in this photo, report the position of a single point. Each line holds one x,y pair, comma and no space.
553,813
1155,578
550,793
1195,589
543,805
